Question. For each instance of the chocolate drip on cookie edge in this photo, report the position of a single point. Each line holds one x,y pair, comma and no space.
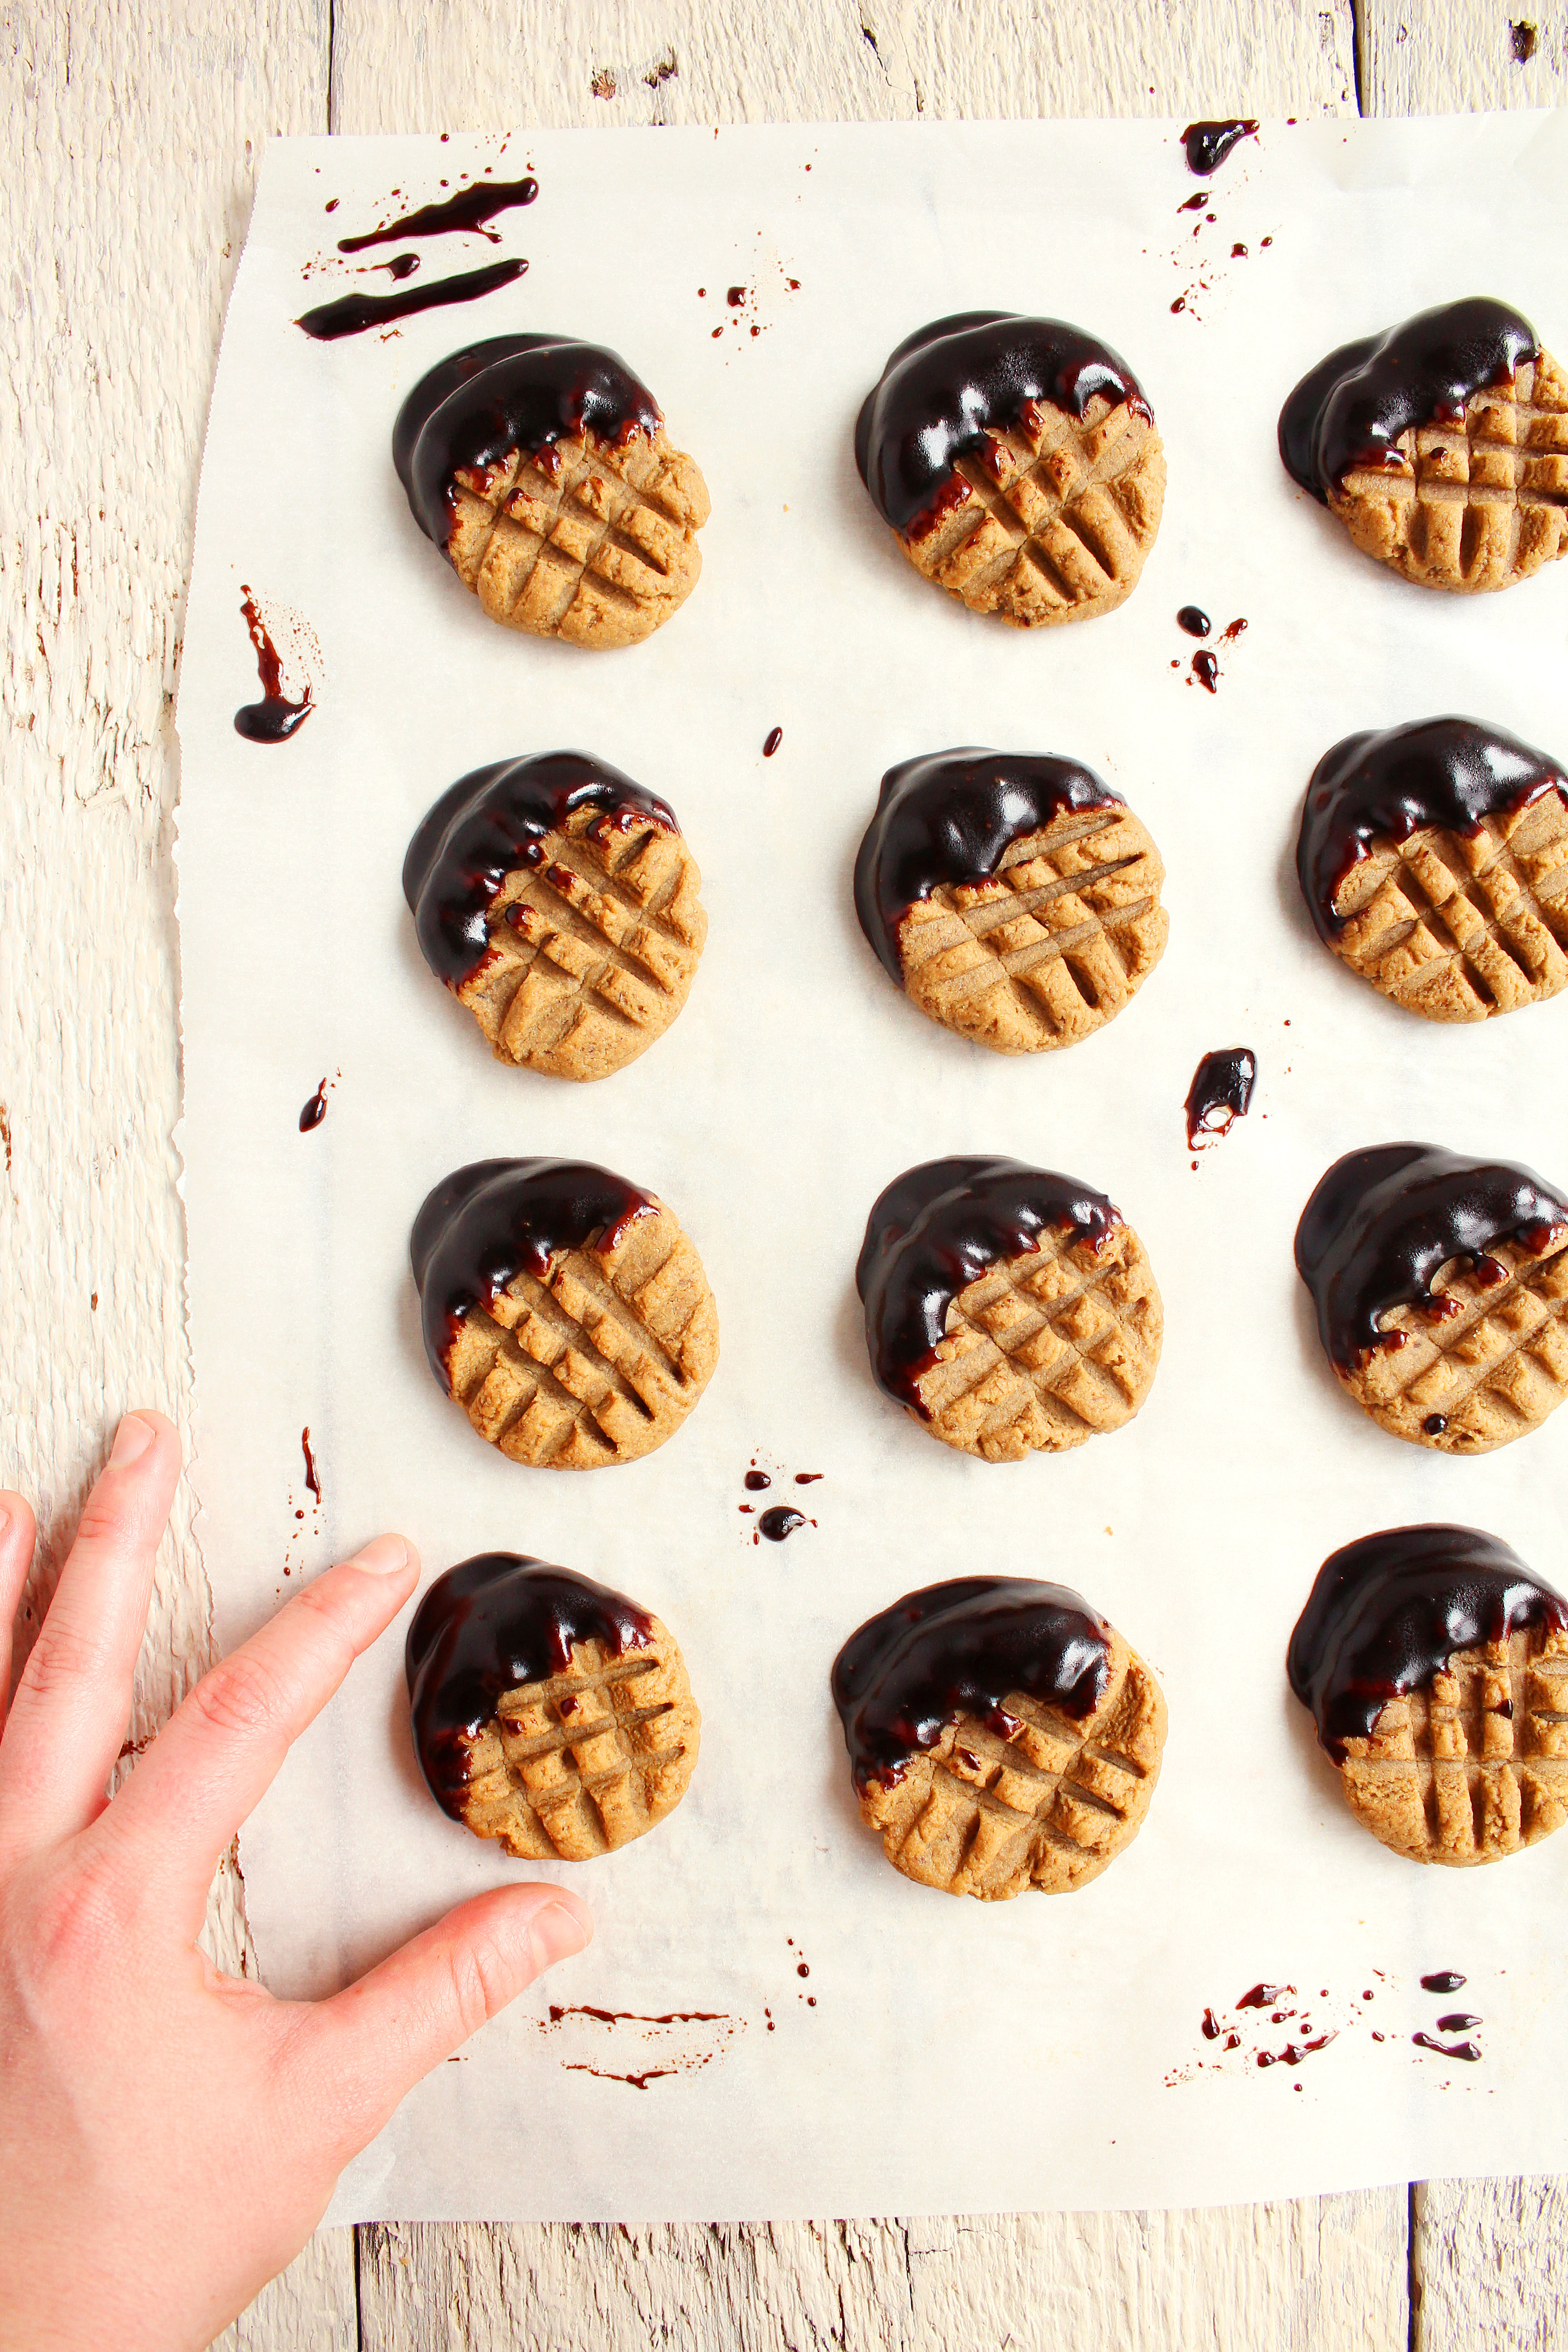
497,1218
1449,772
949,385
1383,1224
492,1624
949,818
1387,1612
935,1230
1351,409
512,392
493,822
962,1648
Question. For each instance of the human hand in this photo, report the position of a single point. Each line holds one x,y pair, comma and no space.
169,2137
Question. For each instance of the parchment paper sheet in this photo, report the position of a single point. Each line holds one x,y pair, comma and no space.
958,2056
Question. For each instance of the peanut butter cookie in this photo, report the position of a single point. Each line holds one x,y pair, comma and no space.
1015,897
549,1712
1009,1309
1442,446
1435,1667
558,901
541,468
563,1309
1018,464
1001,1735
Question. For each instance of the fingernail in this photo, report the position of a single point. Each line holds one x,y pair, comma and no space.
131,1440
558,1932
384,1556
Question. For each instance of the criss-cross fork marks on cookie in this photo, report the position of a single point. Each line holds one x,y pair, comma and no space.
1046,1350
592,949
598,1363
1485,1363
1457,927
1477,505
583,541
585,1762
1475,1765
1051,946
1057,516
1049,1806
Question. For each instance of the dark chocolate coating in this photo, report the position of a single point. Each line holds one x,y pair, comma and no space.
473,207
781,1521
493,821
1451,772
962,1648
1222,1081
490,1625
1208,143
949,818
353,314
1195,620
494,1219
514,392
1388,1612
1350,410
935,1230
946,386
1382,1223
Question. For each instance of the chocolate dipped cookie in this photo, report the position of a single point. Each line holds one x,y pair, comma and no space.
1441,445
541,467
1008,1310
1440,1286
1017,464
1436,1668
558,901
564,1310
1013,896
548,1712
1001,1735
1433,859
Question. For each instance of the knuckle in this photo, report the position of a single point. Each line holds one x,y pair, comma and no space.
64,1658
481,1984
73,1920
242,1697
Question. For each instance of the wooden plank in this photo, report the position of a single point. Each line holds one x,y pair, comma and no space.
481,64
1453,57
133,136
1487,2259
1327,2274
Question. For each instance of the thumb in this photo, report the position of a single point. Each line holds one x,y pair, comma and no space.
366,2047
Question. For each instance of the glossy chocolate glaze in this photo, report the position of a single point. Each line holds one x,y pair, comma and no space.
1208,143
962,1648
1350,410
935,1230
354,314
1222,1082
1445,1980
1382,1223
1195,620
947,385
1206,669
949,818
513,392
315,1111
274,718
491,823
780,1521
471,208
1450,773
498,1218
1388,1612
490,1625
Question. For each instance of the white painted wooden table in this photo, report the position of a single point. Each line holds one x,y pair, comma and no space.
134,133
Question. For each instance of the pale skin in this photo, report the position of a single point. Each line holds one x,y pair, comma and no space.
169,2136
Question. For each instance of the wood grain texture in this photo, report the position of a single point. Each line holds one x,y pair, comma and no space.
1487,2265
1457,56
1325,2273
608,61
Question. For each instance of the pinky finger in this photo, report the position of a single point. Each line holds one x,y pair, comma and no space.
17,1535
